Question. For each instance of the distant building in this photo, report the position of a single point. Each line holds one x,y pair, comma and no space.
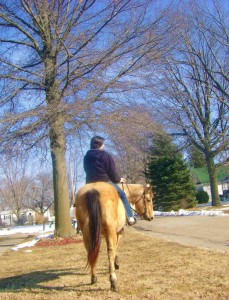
27,217
201,178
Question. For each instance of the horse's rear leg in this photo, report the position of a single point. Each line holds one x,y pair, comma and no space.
93,274
116,262
86,240
111,240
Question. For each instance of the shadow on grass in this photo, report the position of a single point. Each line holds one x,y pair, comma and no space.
141,228
37,280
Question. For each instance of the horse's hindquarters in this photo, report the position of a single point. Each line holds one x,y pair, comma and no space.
112,221
121,216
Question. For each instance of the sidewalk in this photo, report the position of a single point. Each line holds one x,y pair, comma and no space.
208,232
8,242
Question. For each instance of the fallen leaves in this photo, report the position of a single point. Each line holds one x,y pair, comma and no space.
51,242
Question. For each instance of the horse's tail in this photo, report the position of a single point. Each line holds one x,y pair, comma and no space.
95,221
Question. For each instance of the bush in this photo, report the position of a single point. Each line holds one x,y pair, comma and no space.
40,219
202,196
21,220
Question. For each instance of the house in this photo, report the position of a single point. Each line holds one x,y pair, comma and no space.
225,188
8,218
201,178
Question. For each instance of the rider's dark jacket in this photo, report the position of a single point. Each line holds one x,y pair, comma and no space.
100,166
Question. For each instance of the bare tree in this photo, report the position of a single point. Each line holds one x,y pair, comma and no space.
130,129
194,86
15,185
211,23
59,62
40,194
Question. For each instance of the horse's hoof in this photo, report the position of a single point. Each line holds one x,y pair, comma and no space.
116,266
116,263
113,281
114,288
93,279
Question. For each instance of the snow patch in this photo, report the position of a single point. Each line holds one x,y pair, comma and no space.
183,212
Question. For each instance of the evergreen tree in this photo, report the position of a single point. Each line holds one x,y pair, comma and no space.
163,146
170,177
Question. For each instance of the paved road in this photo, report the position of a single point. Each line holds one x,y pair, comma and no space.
208,232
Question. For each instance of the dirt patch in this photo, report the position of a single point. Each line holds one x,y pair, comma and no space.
150,268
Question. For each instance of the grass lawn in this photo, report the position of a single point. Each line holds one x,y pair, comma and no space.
149,269
202,173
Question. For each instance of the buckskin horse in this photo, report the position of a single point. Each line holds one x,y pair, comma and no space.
100,211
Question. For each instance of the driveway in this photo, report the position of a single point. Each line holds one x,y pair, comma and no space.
208,232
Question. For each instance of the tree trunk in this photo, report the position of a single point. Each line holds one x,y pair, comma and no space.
56,121
213,180
63,226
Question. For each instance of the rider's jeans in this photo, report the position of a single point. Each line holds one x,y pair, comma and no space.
124,199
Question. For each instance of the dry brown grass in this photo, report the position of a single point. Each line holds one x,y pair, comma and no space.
150,269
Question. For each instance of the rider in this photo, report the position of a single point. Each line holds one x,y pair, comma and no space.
100,166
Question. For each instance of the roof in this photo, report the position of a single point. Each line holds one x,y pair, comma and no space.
201,174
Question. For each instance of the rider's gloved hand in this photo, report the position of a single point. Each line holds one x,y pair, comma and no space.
123,180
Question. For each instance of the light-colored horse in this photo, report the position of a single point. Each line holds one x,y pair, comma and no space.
142,198
100,211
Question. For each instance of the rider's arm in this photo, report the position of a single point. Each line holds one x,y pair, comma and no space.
111,169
